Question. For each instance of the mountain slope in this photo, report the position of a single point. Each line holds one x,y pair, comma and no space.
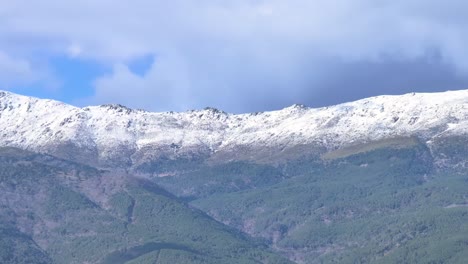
55,211
111,135
384,205
379,180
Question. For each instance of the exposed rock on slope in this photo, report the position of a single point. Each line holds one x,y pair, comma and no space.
115,135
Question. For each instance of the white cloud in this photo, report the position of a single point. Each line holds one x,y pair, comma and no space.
18,72
358,29
231,44
14,71
74,50
10,66
165,85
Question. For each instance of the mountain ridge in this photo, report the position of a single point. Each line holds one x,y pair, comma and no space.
115,134
379,180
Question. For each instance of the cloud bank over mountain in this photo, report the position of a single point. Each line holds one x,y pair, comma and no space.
241,56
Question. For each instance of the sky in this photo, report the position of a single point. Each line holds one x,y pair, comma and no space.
235,55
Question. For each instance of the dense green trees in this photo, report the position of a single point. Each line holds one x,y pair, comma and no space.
78,214
386,205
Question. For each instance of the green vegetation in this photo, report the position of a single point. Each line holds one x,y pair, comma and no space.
207,180
392,201
168,165
75,214
386,205
395,143
16,247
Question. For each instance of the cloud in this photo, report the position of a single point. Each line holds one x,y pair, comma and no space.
164,86
247,55
10,66
14,71
18,72
74,50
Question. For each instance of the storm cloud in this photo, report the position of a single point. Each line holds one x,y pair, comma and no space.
244,55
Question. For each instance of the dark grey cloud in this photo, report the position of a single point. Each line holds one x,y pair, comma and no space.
338,82
246,55
351,81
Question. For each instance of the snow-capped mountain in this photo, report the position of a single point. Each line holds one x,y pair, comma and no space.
114,134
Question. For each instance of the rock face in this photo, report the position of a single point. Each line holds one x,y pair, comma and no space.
113,135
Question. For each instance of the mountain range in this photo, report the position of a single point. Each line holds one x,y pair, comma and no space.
379,180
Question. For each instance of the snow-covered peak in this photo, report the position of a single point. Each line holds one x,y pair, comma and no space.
111,131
